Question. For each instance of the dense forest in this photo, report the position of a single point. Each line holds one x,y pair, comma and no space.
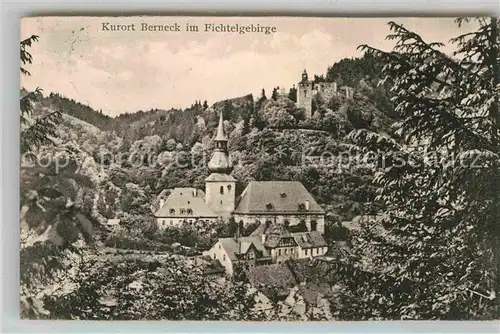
425,253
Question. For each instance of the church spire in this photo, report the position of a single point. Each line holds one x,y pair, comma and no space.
220,162
220,130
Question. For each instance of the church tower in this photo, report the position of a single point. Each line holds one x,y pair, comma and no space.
304,95
220,186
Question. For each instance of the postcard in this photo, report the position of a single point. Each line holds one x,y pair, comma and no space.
259,168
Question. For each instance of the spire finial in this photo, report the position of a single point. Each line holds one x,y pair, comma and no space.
220,130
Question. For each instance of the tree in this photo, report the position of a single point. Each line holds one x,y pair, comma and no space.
439,185
138,290
263,96
292,94
35,131
274,95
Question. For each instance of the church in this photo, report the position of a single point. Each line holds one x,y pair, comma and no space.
284,203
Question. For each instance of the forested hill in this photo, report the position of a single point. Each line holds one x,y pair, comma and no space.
371,108
268,136
78,110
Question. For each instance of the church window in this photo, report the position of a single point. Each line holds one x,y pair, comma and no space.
305,251
279,252
220,246
171,222
183,211
172,211
283,195
269,206
224,257
221,190
189,211
229,188
221,202
286,251
286,223
215,256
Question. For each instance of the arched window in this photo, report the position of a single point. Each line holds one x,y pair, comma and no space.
229,188
189,211
221,190
172,211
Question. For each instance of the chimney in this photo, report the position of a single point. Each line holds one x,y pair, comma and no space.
307,205
162,201
263,238
195,192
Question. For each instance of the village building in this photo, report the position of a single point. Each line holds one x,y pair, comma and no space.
268,244
279,202
184,206
286,203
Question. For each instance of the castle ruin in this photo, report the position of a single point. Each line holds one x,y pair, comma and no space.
307,89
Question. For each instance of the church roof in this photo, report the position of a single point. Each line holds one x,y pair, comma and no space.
185,202
221,136
217,177
277,196
220,161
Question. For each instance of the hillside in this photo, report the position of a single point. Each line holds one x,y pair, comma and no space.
133,157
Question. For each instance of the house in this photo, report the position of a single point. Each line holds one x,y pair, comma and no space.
280,202
231,251
283,244
268,244
184,205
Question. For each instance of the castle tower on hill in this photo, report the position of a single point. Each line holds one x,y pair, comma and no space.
307,89
220,186
304,94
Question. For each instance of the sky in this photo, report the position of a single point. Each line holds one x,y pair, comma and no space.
127,71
